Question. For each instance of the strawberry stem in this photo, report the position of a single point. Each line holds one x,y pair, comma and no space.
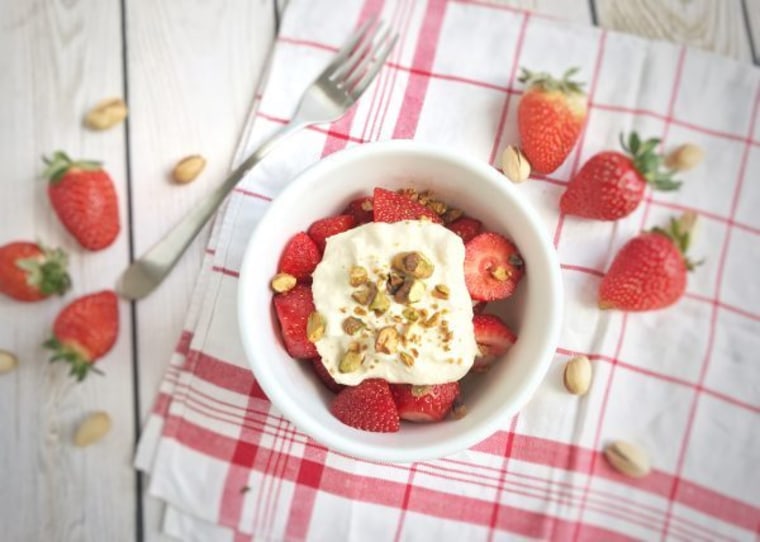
60,163
81,365
48,274
679,230
546,82
648,162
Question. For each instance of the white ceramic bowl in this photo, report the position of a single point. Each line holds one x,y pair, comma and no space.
533,312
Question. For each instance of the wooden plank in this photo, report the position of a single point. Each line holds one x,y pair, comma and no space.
577,11
707,24
57,59
192,78
752,14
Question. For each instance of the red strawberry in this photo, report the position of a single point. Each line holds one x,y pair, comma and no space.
466,227
325,376
293,309
424,403
84,331
611,185
368,406
392,207
550,118
300,257
494,338
650,270
492,267
30,272
84,198
324,228
361,209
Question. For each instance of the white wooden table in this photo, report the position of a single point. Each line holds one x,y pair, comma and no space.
188,70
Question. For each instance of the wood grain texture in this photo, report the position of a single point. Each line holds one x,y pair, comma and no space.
57,59
752,10
714,25
577,11
193,69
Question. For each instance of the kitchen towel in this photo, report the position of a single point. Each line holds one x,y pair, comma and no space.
683,383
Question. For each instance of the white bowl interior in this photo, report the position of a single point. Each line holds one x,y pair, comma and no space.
534,312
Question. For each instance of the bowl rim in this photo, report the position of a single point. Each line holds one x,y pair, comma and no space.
469,436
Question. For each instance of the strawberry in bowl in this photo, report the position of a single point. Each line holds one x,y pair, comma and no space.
372,351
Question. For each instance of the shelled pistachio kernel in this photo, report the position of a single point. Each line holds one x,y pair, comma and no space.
283,282
577,375
386,340
352,359
92,429
357,275
414,264
8,361
685,157
187,169
514,164
352,324
411,314
106,114
627,458
315,327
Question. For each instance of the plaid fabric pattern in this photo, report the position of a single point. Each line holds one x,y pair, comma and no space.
684,382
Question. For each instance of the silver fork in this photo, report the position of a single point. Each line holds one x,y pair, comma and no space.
333,92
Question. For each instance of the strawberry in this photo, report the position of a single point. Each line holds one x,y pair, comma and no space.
293,309
324,228
424,403
300,256
361,209
30,272
610,185
325,376
492,267
650,270
84,198
84,331
392,207
494,338
368,406
466,227
478,307
550,118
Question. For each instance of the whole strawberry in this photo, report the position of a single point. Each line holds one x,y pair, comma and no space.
84,198
650,270
30,272
84,331
612,184
550,118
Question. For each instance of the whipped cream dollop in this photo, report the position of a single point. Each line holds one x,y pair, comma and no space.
410,320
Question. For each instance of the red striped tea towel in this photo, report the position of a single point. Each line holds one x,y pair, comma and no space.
683,383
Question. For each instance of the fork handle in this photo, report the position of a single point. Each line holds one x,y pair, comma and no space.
144,274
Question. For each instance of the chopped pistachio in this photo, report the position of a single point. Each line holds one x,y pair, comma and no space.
419,391
438,207
380,303
411,314
451,215
441,291
395,281
351,361
414,264
283,282
315,327
416,292
386,341
351,325
357,275
365,294
406,359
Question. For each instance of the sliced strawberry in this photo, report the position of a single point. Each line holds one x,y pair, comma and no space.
361,209
466,227
424,403
392,207
494,338
300,257
325,376
492,267
326,227
368,406
293,309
